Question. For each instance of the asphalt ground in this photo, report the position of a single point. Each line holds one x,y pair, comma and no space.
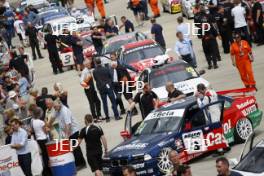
226,77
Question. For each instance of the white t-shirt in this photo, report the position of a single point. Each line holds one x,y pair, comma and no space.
18,27
38,129
239,13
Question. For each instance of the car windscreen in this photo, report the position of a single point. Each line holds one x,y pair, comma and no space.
114,46
142,53
253,161
174,72
158,125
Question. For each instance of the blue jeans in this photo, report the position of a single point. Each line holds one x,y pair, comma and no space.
110,93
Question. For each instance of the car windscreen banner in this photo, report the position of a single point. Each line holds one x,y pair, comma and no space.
140,48
9,165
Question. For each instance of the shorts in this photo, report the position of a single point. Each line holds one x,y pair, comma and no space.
79,59
95,161
138,9
20,36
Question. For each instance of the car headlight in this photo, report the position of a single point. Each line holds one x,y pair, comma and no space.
147,157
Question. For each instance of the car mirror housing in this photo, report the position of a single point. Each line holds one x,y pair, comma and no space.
125,134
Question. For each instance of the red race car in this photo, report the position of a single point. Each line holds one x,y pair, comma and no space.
142,54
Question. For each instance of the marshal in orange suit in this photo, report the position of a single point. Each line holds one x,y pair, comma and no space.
154,7
90,4
242,58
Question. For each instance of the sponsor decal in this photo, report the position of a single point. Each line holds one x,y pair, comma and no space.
227,127
249,110
194,141
161,114
131,147
139,166
245,104
163,143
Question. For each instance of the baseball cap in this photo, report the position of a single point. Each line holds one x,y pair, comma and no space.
12,94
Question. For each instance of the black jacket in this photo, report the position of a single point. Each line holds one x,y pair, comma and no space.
102,76
32,34
121,72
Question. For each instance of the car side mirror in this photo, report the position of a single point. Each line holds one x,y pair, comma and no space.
201,72
125,134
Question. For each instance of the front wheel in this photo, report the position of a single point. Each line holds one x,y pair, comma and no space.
243,130
164,163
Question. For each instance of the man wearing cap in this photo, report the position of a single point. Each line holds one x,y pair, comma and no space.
12,100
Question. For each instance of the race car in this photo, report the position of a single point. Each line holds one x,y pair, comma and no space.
83,15
185,127
171,6
142,54
35,3
187,8
113,44
184,77
251,160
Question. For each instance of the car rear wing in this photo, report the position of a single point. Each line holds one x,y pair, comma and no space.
237,93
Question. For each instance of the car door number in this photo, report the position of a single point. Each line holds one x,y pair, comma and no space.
67,59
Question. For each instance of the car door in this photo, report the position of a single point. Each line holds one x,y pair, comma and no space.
200,133
130,127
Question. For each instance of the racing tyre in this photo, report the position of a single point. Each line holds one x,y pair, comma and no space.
243,130
164,163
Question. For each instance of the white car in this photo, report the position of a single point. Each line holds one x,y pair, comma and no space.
184,77
36,3
251,162
187,8
83,16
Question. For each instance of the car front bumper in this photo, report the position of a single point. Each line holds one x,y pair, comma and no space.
143,168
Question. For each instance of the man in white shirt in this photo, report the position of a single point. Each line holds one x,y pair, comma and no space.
20,143
206,96
69,129
19,30
117,86
239,15
183,49
87,83
185,29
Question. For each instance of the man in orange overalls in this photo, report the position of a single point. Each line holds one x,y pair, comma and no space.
155,8
241,55
100,6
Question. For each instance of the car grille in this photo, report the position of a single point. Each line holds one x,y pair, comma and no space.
119,162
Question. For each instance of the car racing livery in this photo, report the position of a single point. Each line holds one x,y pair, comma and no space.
186,128
142,54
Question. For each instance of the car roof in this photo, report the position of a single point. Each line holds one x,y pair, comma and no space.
121,37
182,104
64,19
138,44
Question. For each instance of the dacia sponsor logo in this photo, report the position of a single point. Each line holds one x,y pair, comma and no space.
162,114
131,146
245,104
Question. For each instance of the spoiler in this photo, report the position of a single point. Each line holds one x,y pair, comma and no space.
242,92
